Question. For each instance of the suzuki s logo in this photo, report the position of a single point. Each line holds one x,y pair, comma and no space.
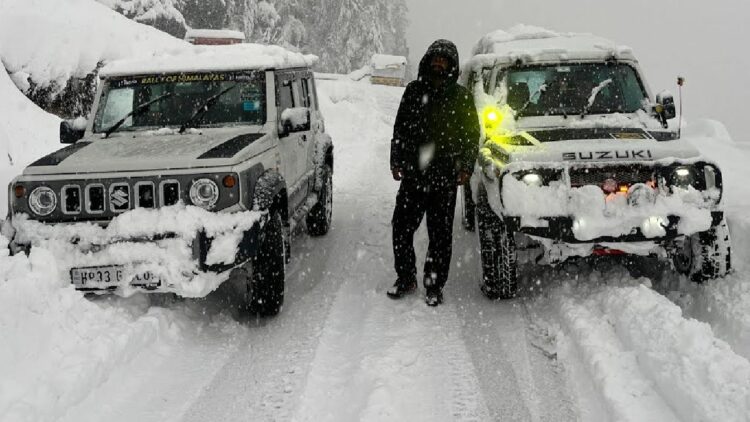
119,198
640,154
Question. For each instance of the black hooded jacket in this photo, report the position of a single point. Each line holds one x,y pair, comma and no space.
445,116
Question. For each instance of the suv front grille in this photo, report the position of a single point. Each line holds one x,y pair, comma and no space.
100,199
623,175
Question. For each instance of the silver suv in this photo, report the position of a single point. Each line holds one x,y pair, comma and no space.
578,160
234,131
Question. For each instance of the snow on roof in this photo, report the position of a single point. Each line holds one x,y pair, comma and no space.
382,61
211,58
214,33
530,43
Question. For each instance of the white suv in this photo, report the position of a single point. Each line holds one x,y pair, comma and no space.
214,154
578,160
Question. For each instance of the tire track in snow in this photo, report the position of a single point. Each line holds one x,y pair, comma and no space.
647,360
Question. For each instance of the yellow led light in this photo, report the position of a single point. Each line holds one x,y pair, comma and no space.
492,117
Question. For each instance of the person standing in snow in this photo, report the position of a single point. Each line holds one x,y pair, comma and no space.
433,151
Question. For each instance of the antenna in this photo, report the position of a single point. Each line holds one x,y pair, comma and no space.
680,84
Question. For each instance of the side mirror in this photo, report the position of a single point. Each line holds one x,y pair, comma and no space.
665,108
294,120
70,132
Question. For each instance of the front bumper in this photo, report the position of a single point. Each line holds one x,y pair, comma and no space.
561,230
191,260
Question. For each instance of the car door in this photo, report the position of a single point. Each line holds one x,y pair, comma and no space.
307,99
293,145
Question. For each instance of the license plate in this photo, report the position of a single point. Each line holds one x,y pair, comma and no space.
109,277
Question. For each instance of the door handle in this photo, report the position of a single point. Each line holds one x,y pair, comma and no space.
304,138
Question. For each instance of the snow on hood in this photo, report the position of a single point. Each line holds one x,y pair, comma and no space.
200,58
147,151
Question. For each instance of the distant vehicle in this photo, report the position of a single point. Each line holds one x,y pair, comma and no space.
578,159
214,37
216,138
388,70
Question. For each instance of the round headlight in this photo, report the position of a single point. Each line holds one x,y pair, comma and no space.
42,201
683,177
532,179
204,193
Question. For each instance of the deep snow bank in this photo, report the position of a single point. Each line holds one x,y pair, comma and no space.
26,133
50,41
57,346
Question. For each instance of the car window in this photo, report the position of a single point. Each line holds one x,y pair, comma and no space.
305,93
597,88
286,95
175,98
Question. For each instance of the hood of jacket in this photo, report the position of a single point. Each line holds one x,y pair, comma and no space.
443,48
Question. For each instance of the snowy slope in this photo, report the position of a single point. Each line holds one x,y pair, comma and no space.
50,41
591,345
26,133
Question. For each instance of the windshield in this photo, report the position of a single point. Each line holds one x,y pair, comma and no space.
242,103
598,88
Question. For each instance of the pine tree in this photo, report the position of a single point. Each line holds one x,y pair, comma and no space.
343,33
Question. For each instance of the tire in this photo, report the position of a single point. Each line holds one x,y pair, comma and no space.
319,218
469,209
705,256
498,255
269,270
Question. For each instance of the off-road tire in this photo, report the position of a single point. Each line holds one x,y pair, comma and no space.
468,218
706,255
498,254
319,218
268,270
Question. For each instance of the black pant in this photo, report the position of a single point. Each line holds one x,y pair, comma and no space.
435,197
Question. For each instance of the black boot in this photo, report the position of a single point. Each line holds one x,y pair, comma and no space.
434,296
402,288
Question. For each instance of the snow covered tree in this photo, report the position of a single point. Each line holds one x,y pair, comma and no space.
343,33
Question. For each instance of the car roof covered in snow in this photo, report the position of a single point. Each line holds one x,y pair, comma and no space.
382,61
531,44
214,33
212,58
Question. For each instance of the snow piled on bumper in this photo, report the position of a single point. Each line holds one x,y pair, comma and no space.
596,215
157,241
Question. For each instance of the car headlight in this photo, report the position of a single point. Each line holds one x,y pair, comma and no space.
204,193
532,179
539,177
42,201
683,177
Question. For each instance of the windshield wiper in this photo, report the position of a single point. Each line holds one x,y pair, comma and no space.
200,111
594,93
542,88
138,110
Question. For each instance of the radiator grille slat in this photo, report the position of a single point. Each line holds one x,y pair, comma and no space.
584,176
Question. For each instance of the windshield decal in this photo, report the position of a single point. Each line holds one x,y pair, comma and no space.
182,78
59,156
231,147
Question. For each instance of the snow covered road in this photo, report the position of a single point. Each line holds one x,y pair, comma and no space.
591,346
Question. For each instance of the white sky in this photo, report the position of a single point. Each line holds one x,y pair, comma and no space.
708,42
